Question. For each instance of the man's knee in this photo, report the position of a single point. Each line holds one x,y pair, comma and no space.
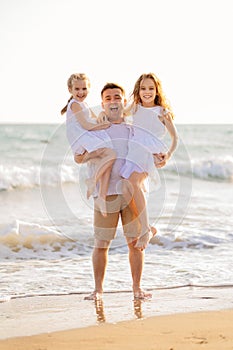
131,241
101,244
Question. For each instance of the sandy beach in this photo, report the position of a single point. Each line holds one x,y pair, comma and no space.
45,255
201,330
179,318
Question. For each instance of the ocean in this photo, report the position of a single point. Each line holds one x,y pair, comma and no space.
46,234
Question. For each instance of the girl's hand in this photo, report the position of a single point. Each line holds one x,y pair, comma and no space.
160,159
166,112
102,118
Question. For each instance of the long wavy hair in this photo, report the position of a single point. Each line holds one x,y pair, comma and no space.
72,78
160,98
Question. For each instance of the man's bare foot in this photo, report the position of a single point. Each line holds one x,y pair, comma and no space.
94,296
141,295
145,239
90,187
101,205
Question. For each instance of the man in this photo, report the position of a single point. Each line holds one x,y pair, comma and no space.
113,103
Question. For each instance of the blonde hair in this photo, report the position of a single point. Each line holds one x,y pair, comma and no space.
160,98
72,78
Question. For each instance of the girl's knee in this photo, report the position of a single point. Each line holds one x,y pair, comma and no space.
136,183
137,179
112,154
126,186
108,153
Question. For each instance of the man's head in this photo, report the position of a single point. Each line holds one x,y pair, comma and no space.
113,102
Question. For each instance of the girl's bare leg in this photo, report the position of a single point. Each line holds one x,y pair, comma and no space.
133,194
138,205
103,182
102,175
104,159
107,158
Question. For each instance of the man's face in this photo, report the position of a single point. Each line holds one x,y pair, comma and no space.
113,103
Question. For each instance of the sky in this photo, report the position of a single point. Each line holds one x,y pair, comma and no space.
186,43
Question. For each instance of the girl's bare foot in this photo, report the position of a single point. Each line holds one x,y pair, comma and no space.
145,239
90,187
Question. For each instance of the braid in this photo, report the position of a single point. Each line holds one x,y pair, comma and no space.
64,109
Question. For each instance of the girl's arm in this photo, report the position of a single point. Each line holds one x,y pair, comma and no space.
168,121
81,118
128,110
93,115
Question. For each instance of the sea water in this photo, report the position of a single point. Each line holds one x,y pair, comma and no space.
46,222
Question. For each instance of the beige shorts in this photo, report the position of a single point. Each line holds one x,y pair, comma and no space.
105,227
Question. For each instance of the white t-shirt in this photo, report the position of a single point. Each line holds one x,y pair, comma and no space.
119,135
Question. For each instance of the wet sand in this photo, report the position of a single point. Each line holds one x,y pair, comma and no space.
182,318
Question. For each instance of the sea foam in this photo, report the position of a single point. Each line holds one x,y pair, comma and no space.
206,169
12,177
24,240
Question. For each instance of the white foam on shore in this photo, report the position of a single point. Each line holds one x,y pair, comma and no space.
4,298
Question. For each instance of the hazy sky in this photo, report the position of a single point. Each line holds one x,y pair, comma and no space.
187,43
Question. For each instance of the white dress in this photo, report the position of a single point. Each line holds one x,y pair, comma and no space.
146,139
80,139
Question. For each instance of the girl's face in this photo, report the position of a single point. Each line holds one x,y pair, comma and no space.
147,92
79,89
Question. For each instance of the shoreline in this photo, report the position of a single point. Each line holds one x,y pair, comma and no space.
32,316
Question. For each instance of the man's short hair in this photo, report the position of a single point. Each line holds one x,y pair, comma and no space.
112,86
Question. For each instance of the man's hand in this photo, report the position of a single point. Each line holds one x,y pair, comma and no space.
85,157
80,158
160,159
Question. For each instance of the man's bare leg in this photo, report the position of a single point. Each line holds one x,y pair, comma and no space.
136,260
99,262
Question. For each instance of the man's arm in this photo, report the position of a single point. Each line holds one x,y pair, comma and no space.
85,157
